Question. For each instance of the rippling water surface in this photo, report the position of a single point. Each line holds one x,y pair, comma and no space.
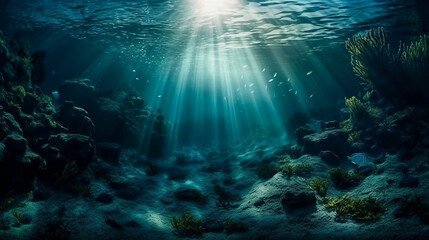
212,64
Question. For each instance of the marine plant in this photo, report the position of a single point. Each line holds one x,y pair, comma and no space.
70,169
267,170
343,178
232,226
18,216
187,225
320,185
20,90
366,209
401,77
6,202
358,111
289,169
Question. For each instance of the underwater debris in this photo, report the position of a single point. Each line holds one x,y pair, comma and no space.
187,225
366,209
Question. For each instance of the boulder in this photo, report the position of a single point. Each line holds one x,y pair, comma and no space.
81,92
408,181
74,147
299,195
75,119
8,125
301,132
15,144
330,158
332,140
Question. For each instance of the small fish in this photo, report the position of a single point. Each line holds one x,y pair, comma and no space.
359,159
252,91
290,90
137,79
159,95
311,96
271,80
281,83
288,79
296,92
275,75
251,85
310,72
134,70
263,70
245,66
55,94
266,87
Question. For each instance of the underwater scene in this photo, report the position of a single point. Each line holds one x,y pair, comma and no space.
214,119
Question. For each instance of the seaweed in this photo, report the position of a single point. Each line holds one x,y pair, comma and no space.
320,185
18,216
187,225
233,226
301,169
267,170
366,209
401,77
344,179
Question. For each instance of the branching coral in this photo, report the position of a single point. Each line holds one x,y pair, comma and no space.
400,78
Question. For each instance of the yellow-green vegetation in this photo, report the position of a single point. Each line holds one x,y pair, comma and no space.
267,170
343,178
187,225
15,105
366,209
20,90
289,169
232,226
359,113
18,216
6,202
47,100
70,169
320,185
399,77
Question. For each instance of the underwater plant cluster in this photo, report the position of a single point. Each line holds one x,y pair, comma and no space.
85,164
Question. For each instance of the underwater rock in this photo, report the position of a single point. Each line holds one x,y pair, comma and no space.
213,223
301,132
259,202
330,158
8,124
75,119
110,152
299,195
332,140
4,224
408,181
104,198
330,125
81,92
15,144
30,103
74,147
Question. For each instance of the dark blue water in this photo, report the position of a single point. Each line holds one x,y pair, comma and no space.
207,64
